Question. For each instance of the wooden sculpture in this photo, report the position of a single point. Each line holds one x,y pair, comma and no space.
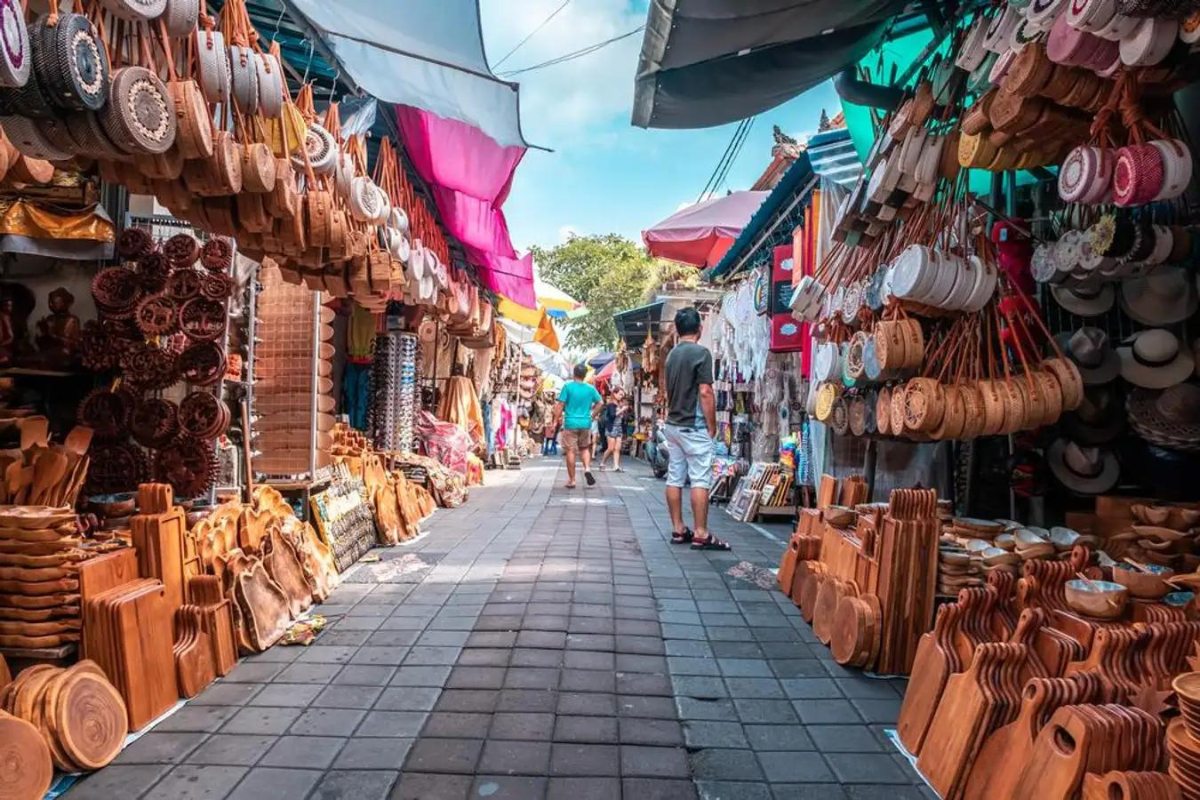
25,766
283,565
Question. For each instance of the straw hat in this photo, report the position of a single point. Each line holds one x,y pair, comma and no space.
1091,351
1155,360
1170,418
1084,301
1086,470
1099,418
1163,298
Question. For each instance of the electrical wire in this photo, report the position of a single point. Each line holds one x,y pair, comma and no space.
711,184
737,151
521,43
575,54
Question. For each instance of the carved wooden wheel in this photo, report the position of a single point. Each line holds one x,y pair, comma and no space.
154,269
189,465
202,319
25,767
117,291
157,316
106,412
184,284
216,286
134,243
217,254
149,367
87,716
182,250
202,363
102,346
115,468
155,422
203,415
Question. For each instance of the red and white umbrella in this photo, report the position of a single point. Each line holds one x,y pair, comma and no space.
701,233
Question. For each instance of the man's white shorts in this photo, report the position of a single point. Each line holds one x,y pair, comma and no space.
691,452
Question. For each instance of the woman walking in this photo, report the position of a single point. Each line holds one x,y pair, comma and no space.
615,413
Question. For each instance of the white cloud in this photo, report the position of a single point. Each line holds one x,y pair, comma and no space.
561,102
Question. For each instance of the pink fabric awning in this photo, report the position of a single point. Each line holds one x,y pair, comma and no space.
701,234
470,175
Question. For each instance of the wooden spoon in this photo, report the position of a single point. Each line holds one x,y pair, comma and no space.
49,471
34,431
78,440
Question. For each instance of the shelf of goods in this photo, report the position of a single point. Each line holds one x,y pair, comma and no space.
197,112
926,325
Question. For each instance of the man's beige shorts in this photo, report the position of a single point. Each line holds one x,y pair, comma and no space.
575,438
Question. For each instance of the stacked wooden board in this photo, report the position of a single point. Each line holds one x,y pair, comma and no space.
129,633
869,586
39,576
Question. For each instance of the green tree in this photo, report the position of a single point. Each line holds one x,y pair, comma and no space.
608,274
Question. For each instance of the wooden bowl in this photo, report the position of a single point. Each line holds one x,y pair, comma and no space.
1005,541
1105,601
1033,551
1159,533
113,505
977,546
956,557
1151,515
1143,585
840,516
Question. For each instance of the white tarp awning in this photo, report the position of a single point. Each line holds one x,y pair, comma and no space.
423,53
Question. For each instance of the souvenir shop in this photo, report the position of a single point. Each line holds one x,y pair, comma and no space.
1010,291
237,352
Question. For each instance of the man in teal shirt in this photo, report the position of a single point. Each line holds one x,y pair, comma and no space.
577,405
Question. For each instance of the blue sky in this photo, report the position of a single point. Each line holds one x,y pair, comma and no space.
605,175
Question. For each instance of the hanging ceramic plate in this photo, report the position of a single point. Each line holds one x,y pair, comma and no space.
15,59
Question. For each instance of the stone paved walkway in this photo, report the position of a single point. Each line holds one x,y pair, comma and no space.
539,643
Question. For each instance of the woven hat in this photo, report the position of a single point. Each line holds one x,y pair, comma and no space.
1099,418
1091,351
1083,301
1087,470
1170,418
1155,360
1163,298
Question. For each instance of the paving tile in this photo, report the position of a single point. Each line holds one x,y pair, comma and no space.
191,782
527,700
373,754
261,720
284,695
628,662
444,755
658,789
532,678
421,676
195,719
380,656
226,694
588,704
431,656
418,786
484,657
399,724
693,708
358,784
515,758
476,678
844,739
587,680
509,787
735,790
537,727
699,686
590,659
357,697
665,732
299,752
706,733
326,655
118,780
457,725
595,730
779,737
309,673
584,759
231,750
867,768
724,764
327,722
811,688
795,767
657,707
478,701
247,672
878,711
643,684
161,748
832,712
584,789
744,668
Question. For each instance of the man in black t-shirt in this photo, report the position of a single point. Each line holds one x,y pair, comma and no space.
691,426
